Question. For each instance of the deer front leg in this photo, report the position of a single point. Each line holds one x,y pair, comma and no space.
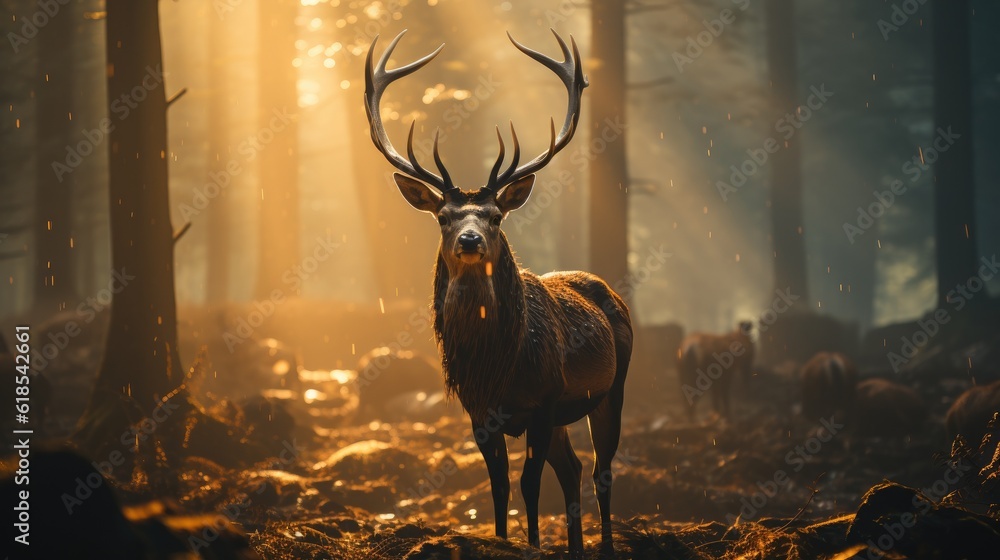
538,440
493,446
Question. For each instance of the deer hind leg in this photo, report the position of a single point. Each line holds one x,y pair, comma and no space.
605,430
493,446
569,471
538,439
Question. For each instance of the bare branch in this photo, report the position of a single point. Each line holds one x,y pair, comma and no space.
173,98
183,230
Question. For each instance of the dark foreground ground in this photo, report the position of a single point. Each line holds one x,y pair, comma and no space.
766,485
314,471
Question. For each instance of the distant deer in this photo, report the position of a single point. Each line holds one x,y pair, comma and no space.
537,352
829,381
970,414
709,362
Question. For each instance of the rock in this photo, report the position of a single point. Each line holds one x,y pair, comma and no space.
385,374
74,514
896,517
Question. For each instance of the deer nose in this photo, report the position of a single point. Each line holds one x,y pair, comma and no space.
470,241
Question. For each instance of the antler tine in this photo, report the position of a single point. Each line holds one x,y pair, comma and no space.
377,79
495,172
570,72
439,163
420,171
497,179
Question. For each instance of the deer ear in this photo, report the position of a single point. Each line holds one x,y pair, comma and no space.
514,195
419,195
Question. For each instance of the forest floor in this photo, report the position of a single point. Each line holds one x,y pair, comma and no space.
407,480
767,485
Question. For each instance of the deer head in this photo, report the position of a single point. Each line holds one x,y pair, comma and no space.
470,220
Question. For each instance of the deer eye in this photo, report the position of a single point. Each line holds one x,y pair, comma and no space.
495,221
442,219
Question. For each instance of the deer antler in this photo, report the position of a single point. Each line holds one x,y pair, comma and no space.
376,80
570,72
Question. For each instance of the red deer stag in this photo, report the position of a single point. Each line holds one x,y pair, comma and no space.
536,352
708,362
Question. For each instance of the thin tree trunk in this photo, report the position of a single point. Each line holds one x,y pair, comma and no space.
786,166
608,212
55,281
954,185
279,158
217,271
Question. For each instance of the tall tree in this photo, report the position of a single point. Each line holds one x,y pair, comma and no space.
608,213
954,185
395,233
53,269
786,165
279,158
217,272
141,360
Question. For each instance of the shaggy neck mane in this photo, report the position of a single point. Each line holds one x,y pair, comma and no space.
479,353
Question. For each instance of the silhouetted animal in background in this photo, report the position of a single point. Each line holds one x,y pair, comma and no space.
524,353
828,382
709,362
886,408
972,411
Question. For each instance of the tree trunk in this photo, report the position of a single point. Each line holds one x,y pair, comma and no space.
217,271
786,167
140,356
55,282
954,186
608,212
401,242
278,151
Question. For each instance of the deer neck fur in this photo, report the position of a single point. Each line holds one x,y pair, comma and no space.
480,324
